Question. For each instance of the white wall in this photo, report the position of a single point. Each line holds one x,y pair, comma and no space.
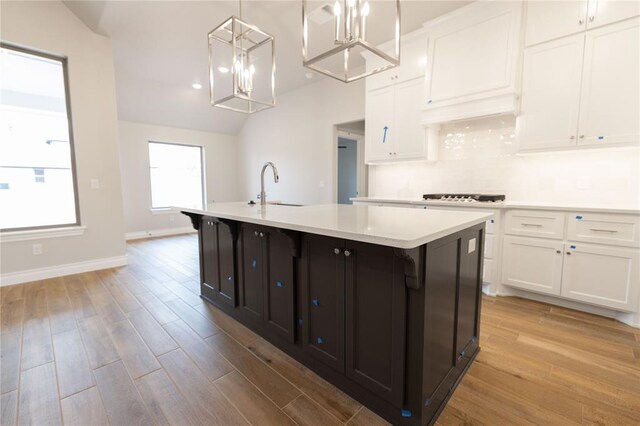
480,156
298,136
221,174
52,28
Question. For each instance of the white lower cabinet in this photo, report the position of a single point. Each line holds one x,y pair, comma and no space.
532,264
601,275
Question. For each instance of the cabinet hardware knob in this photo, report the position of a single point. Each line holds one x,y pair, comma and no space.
592,18
255,233
261,234
580,21
279,284
229,278
347,253
558,251
319,340
581,136
336,251
569,253
572,137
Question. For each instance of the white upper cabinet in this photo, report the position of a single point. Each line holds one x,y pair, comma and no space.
548,20
393,131
610,101
603,12
551,71
472,61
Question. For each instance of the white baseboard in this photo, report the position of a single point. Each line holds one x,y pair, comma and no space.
158,233
60,270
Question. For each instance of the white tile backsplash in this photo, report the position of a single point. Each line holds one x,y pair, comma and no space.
480,156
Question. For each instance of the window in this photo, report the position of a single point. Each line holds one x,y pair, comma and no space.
176,175
37,173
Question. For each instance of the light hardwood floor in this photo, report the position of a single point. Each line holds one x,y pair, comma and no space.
136,345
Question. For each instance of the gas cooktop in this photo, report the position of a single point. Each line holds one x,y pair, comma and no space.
465,198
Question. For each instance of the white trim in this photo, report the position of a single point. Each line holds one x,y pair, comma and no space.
164,210
60,270
157,233
38,234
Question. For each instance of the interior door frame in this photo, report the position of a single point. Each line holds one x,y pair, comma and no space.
362,171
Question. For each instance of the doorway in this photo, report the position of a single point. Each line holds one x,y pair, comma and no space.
351,170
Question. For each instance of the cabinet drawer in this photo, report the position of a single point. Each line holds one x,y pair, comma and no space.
535,223
619,230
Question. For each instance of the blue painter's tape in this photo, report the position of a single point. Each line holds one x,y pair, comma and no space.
279,284
572,246
315,302
578,217
254,263
406,413
319,340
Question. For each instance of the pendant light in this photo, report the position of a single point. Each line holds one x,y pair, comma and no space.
241,66
334,37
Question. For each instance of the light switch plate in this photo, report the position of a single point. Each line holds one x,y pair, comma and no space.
472,245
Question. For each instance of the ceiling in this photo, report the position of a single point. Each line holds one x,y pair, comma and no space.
160,50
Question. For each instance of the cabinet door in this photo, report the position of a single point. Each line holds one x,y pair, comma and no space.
601,275
610,96
473,54
252,266
550,94
379,125
603,12
279,284
210,275
547,20
227,264
410,136
375,319
532,264
323,295
469,292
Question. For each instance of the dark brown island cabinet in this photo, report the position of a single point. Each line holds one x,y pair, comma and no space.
394,328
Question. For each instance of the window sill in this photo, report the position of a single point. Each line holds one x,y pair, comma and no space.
38,234
167,210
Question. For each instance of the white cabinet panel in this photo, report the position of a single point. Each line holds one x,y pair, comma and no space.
603,12
488,272
550,94
547,20
380,113
604,276
610,100
489,249
535,223
532,264
619,230
410,135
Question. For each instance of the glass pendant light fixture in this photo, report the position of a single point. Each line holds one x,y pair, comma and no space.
241,66
334,37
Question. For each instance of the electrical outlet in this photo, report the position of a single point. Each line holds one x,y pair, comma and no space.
36,249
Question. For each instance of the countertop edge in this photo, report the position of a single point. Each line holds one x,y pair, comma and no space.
389,242
504,205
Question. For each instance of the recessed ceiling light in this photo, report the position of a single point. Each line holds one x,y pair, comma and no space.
197,86
223,70
308,75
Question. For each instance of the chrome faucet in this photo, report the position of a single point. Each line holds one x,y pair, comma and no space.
263,197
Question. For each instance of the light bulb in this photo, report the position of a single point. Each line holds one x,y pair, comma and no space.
223,70
365,9
337,10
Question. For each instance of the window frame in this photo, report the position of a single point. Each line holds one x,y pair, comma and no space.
72,152
167,209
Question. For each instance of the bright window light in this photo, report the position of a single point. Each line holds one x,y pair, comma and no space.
176,176
37,175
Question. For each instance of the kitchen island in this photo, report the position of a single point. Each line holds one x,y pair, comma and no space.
382,302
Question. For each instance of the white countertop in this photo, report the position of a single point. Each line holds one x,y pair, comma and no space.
389,226
505,205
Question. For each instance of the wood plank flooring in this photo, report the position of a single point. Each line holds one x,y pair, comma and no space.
136,345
